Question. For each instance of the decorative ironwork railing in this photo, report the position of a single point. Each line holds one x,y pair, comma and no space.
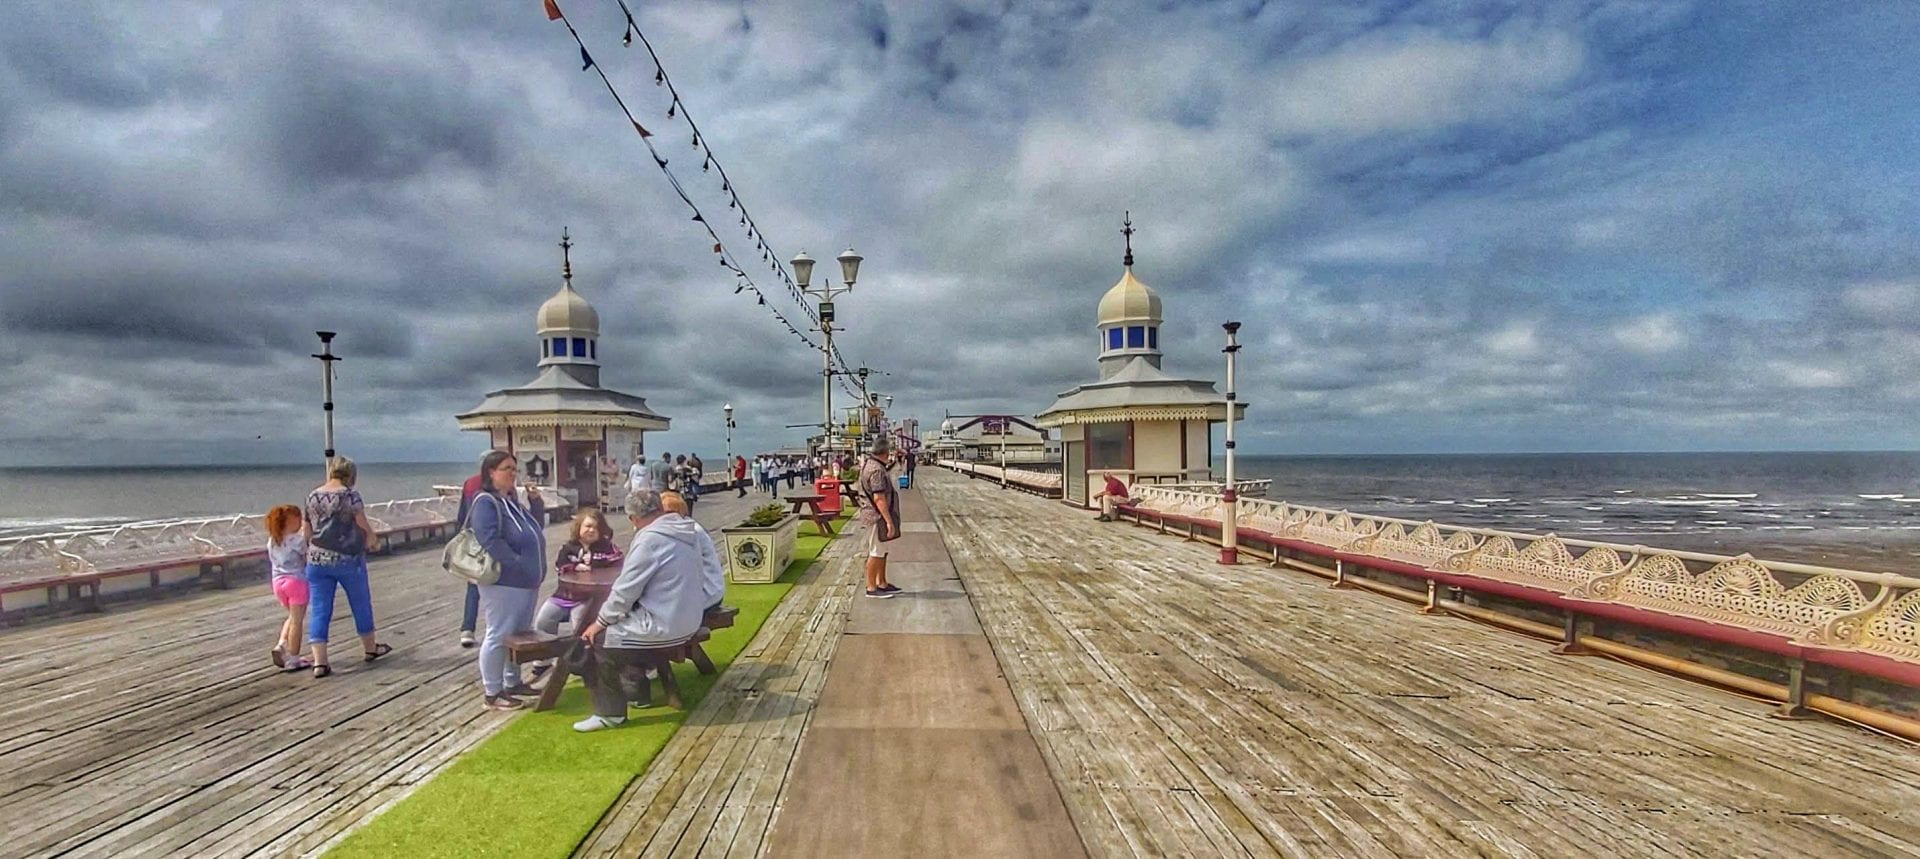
1813,605
1041,480
147,544
1244,488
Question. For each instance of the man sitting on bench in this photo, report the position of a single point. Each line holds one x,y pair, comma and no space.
1114,494
657,602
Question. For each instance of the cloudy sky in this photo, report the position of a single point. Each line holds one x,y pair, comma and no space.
1446,225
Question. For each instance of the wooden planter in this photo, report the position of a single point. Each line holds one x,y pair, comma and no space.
760,555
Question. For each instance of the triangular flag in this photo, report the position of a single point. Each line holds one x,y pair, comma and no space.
643,131
553,11
698,219
716,247
660,161
586,62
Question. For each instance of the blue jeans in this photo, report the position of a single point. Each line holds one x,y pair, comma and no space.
351,576
471,619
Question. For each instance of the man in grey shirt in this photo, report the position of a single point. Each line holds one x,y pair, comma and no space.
660,472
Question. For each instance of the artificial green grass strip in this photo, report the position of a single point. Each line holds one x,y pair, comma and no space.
537,788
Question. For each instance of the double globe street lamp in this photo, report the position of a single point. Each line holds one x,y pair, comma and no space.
849,272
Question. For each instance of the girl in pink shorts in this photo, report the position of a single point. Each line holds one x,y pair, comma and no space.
287,553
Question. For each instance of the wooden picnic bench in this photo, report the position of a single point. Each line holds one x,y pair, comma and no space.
819,517
531,646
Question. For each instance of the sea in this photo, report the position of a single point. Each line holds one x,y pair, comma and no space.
1857,510
41,500
1854,510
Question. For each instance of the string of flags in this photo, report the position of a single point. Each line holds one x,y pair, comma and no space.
726,257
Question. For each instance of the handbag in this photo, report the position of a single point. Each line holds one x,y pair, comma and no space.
466,559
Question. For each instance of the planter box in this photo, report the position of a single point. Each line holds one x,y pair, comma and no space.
760,555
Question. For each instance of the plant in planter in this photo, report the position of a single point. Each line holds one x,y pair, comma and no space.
760,547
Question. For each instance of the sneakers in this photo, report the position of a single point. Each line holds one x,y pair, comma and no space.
503,701
883,594
598,723
891,589
466,638
520,689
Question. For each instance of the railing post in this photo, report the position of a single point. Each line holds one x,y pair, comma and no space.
1795,707
1433,598
1339,573
1570,636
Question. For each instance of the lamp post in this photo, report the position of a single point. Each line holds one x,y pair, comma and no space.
1229,497
728,408
849,272
1005,421
327,358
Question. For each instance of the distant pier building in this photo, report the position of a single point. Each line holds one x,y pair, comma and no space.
1135,420
565,429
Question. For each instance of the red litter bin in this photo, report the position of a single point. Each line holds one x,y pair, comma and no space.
828,488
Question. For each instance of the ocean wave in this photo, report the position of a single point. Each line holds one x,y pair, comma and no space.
1728,494
1492,500
1891,497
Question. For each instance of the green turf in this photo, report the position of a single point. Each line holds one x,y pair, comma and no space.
537,788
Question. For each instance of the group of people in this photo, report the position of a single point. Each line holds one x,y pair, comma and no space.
670,572
770,471
670,576
681,475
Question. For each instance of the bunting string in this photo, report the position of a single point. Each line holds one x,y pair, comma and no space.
676,109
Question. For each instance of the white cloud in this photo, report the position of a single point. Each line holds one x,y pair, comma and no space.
1653,334
1422,80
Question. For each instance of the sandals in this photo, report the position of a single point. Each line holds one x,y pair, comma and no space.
322,670
378,651
279,657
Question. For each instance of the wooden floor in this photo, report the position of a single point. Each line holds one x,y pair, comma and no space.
161,729
715,787
1188,709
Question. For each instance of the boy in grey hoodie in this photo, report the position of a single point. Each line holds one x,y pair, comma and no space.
658,600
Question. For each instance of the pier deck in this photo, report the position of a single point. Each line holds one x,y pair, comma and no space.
1190,709
160,729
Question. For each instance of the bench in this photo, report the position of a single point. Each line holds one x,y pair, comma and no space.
819,517
524,647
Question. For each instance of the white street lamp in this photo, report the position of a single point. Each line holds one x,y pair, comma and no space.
849,272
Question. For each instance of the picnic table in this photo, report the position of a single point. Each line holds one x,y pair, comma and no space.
592,588
812,502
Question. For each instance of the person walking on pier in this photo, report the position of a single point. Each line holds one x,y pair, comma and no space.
660,474
740,475
880,513
287,555
696,474
656,602
512,535
338,538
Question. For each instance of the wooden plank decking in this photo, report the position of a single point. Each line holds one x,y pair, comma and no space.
1191,709
161,730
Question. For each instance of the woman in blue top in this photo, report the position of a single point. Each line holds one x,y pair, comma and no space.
512,534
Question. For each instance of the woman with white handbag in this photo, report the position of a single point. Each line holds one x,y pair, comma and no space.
512,536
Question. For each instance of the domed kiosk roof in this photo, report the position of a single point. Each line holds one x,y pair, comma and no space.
567,311
1129,301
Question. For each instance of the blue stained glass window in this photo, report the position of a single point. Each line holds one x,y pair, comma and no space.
1153,337
579,347
1113,338
559,347
1136,337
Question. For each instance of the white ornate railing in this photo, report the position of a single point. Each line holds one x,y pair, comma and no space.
1039,480
149,544
1245,488
1822,606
